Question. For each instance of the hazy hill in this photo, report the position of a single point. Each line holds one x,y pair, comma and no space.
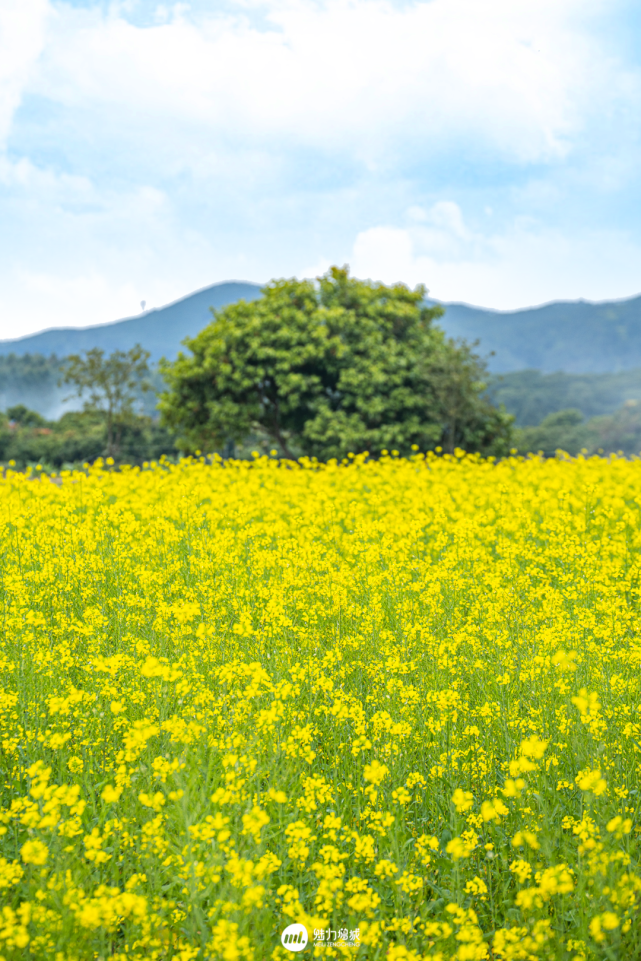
159,331
573,336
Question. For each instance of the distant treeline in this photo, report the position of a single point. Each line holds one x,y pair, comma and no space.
27,438
531,396
574,412
568,430
42,424
31,380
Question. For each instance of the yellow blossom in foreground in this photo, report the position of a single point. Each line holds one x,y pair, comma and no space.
375,772
462,847
603,923
528,838
255,821
619,826
592,781
34,852
111,794
493,810
514,788
393,700
462,800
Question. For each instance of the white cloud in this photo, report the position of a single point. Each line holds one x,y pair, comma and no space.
77,300
526,264
25,178
358,76
22,24
159,149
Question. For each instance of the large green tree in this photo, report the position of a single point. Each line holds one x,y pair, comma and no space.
327,368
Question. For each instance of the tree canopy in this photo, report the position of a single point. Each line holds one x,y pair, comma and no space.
327,368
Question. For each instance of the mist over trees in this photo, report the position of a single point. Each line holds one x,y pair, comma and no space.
109,386
112,423
32,380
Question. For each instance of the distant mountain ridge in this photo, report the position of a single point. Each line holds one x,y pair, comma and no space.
573,336
160,331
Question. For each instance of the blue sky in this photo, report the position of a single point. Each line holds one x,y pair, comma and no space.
489,150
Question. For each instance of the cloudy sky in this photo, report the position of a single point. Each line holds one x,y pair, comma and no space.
490,149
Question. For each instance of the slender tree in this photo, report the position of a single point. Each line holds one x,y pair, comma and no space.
469,420
111,385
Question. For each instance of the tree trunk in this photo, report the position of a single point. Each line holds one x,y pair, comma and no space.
110,433
278,437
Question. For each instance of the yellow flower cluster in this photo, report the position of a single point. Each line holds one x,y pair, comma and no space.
396,699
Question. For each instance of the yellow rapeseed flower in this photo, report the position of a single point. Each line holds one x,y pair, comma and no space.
34,852
239,696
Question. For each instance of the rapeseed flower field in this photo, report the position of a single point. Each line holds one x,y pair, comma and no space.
395,701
